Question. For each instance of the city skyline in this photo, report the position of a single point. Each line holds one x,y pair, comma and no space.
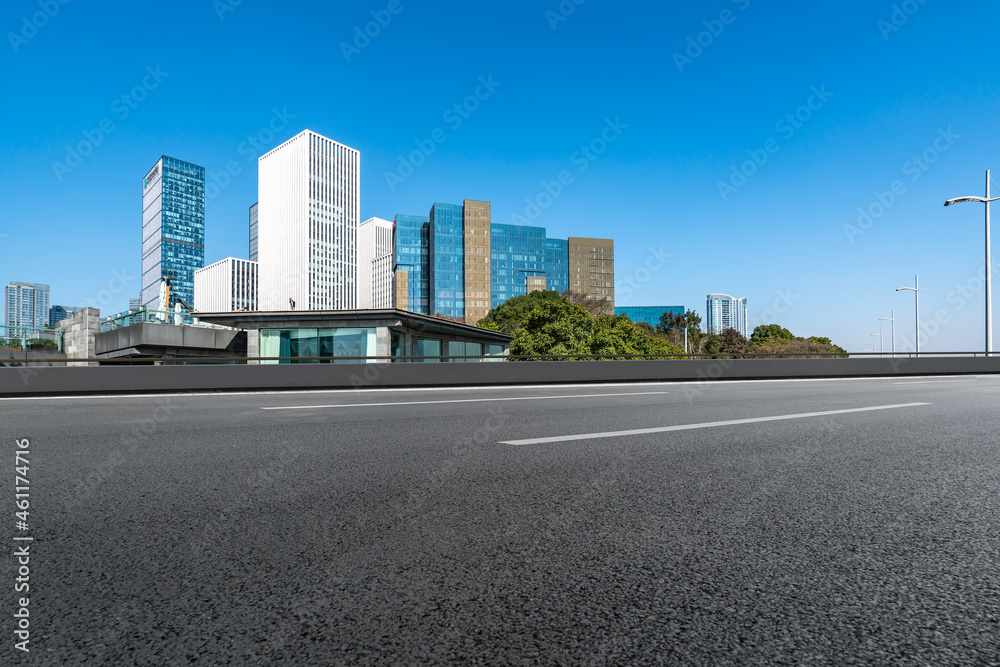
826,187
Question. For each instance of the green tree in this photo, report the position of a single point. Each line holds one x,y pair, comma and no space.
733,343
769,332
552,327
512,314
646,328
617,335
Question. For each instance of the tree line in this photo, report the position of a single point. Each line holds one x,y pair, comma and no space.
549,323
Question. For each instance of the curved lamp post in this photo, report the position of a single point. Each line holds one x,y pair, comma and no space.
989,268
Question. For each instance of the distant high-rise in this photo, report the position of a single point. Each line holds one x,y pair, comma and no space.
478,285
59,313
459,263
253,232
447,260
26,305
173,229
412,246
519,256
375,264
308,224
592,270
557,265
226,286
725,312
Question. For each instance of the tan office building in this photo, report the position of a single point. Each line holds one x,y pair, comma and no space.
592,270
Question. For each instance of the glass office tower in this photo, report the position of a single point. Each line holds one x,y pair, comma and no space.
447,260
557,265
649,314
173,229
518,253
412,243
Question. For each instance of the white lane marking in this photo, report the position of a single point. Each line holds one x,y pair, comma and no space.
688,427
460,400
935,381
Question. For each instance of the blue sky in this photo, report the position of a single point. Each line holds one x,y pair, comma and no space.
885,86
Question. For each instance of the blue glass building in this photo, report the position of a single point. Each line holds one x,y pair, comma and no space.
516,253
446,281
557,265
173,229
412,244
59,313
432,251
648,314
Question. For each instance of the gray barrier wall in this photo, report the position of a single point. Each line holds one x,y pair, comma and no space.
145,379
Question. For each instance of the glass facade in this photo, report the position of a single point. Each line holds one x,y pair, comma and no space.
60,313
173,229
412,244
428,347
457,348
447,261
253,233
557,264
317,343
516,253
648,314
592,270
441,254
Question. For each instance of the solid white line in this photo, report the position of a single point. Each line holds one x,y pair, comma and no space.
459,400
935,381
688,427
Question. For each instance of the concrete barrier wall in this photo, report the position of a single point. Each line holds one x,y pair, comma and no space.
145,379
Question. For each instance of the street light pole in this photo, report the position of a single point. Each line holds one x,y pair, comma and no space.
893,320
916,293
881,342
989,260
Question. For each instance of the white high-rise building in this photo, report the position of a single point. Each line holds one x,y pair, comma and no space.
308,211
226,286
725,312
375,262
26,305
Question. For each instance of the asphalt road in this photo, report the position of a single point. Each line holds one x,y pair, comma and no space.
428,527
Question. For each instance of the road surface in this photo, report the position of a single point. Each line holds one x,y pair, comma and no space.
810,522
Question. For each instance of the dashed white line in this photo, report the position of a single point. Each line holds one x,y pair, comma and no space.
689,427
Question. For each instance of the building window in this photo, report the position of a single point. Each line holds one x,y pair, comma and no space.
457,348
397,344
428,347
292,344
